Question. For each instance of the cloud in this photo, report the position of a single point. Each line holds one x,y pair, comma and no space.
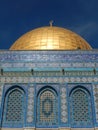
86,30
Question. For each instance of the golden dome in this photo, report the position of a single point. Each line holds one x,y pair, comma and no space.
50,38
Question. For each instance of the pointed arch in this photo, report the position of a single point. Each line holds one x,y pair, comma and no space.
47,107
14,104
80,107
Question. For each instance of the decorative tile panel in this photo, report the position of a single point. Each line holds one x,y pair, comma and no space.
81,112
30,108
14,108
48,79
1,90
51,56
64,105
45,64
95,92
47,108
80,67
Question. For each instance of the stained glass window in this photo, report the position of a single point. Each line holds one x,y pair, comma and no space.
14,106
47,107
81,111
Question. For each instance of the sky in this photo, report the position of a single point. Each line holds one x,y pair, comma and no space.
20,16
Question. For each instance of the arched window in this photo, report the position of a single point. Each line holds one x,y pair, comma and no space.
14,106
80,108
47,107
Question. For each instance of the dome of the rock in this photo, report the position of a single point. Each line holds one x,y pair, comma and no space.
50,38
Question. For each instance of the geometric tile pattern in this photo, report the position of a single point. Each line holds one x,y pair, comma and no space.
49,74
1,89
56,64
47,112
43,79
14,106
17,67
30,107
49,56
95,92
80,108
64,111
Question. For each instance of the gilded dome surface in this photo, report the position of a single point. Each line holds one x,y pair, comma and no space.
50,38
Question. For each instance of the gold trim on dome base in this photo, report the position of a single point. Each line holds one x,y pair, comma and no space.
50,38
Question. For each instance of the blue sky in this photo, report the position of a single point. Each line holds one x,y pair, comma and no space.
20,16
